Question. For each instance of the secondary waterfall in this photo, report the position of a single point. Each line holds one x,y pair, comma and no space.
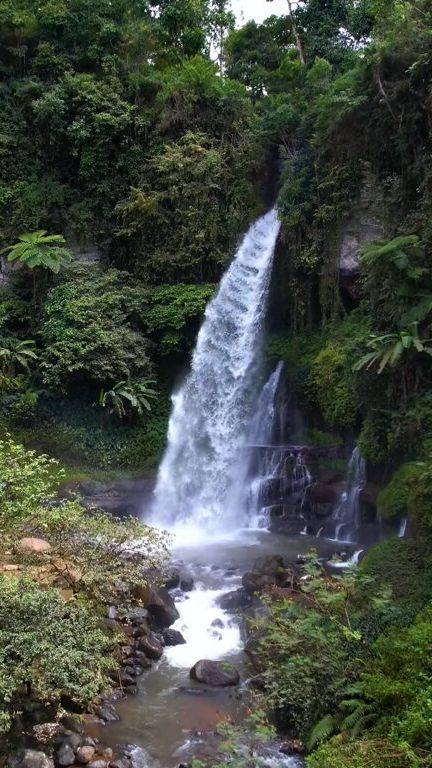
346,514
212,411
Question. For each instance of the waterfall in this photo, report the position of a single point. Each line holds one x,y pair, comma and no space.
402,528
346,514
212,411
261,431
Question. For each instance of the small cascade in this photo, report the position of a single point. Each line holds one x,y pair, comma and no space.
276,475
346,515
279,484
402,528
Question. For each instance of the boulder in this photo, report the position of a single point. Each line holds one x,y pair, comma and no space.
172,580
140,659
137,616
236,600
85,754
108,713
173,637
30,545
98,763
159,603
65,756
151,646
215,673
187,584
29,758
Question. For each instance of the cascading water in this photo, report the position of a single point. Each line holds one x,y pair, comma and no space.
208,428
346,514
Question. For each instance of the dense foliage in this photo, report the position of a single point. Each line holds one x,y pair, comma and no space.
137,141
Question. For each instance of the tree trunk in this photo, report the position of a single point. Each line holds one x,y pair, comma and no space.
297,39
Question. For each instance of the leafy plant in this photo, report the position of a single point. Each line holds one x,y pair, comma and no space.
38,249
127,397
16,352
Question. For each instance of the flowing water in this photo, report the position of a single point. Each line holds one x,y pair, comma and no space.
212,411
218,472
346,515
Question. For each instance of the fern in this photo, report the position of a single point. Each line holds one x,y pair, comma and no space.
322,730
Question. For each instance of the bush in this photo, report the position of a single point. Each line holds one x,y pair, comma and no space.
403,564
49,649
364,753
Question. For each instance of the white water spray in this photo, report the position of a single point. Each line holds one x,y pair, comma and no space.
208,428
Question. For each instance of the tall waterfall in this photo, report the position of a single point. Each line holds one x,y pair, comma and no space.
212,411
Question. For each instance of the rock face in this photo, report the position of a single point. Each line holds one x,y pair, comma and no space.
31,545
216,673
363,227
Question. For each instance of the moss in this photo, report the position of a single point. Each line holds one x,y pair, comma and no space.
330,383
393,500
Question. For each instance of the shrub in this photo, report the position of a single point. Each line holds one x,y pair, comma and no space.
364,753
49,649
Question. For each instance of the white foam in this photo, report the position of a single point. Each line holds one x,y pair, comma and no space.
197,612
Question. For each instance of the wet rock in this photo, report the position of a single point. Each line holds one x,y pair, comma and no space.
126,679
85,754
119,763
89,742
65,756
216,673
187,584
172,580
160,605
137,616
256,582
107,753
72,739
29,758
30,545
236,600
218,624
292,747
112,612
131,690
173,637
98,763
140,659
151,646
108,713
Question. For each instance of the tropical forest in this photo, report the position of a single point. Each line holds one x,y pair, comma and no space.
216,383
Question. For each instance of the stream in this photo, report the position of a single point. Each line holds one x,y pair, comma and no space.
234,468
172,716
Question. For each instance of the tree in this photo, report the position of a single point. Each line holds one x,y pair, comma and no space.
39,251
13,352
298,42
